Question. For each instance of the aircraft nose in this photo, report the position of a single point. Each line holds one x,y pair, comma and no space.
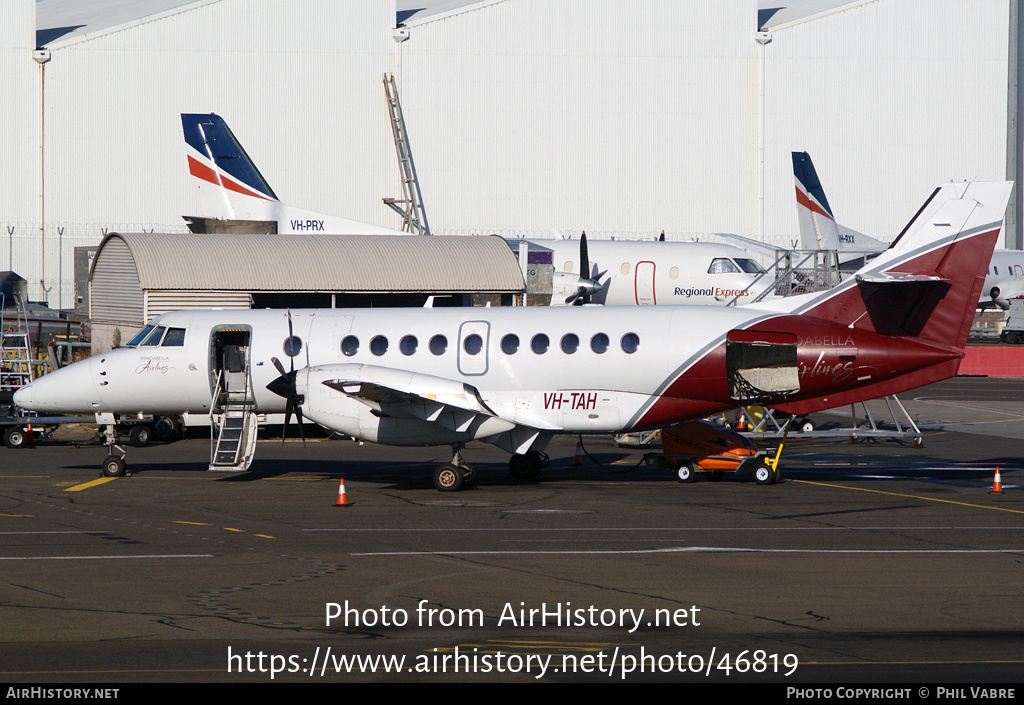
67,390
23,398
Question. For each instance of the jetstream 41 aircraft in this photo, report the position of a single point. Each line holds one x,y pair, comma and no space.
1004,278
610,272
515,377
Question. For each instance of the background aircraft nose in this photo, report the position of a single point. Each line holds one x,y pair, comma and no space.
23,398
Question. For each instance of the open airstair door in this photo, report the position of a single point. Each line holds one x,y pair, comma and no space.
232,408
761,365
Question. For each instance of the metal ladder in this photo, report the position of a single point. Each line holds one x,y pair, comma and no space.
414,217
15,352
234,446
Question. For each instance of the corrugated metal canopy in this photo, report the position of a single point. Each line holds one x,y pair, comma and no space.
330,263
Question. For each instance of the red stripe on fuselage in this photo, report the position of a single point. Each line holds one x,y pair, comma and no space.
201,171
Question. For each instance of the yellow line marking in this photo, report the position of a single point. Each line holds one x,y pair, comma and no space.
92,483
263,536
190,523
911,496
237,531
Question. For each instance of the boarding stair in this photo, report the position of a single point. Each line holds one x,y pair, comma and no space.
233,423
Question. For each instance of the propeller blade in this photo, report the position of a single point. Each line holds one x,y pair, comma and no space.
279,366
584,257
298,419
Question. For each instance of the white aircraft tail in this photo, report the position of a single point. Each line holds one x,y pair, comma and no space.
231,187
926,285
818,227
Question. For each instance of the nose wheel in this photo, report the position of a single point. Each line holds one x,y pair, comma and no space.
114,465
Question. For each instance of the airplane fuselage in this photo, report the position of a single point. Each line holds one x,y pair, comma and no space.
391,375
643,273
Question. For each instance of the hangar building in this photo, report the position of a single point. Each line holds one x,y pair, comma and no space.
619,117
137,276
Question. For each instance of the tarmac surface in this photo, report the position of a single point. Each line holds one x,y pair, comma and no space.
869,562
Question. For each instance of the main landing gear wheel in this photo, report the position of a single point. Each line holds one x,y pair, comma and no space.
166,428
765,475
526,466
449,478
15,437
140,435
686,472
114,467
805,425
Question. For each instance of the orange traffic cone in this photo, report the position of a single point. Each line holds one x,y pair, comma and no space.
741,424
997,483
30,436
342,500
578,458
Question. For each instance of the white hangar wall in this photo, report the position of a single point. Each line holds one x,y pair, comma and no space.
19,167
621,117
298,82
610,116
890,98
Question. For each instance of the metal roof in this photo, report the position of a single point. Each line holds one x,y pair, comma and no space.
65,21
413,12
348,263
776,14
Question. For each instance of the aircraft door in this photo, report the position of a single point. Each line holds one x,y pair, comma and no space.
229,364
645,284
473,343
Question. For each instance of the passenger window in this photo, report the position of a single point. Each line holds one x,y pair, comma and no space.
599,343
540,344
175,338
409,345
379,345
673,273
570,343
630,343
349,346
568,268
292,345
473,344
439,345
154,337
625,268
510,344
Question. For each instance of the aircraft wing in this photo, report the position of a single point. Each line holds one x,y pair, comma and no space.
752,246
410,395
451,404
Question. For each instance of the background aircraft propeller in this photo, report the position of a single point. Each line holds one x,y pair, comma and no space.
588,286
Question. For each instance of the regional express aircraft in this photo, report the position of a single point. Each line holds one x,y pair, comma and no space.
1004,278
515,377
230,186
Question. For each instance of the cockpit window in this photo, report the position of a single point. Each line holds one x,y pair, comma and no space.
139,337
175,337
722,265
749,266
154,337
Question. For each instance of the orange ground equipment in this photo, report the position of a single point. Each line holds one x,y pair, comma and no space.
700,446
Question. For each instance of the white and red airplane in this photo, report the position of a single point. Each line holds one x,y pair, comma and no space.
515,377
615,273
1004,278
